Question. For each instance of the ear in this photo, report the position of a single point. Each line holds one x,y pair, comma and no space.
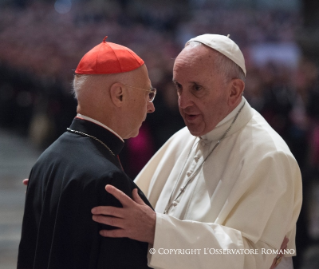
116,94
237,87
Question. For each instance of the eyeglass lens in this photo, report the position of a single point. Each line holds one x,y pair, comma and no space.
151,95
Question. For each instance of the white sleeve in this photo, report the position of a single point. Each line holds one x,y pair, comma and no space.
190,244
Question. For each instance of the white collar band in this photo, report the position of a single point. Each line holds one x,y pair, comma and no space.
98,123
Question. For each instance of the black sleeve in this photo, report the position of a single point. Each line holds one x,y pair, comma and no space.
28,241
118,253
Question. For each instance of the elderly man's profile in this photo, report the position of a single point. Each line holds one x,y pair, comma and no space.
114,95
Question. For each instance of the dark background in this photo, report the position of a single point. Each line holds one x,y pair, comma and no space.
41,43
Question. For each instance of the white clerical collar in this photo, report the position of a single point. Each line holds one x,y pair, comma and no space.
223,124
98,123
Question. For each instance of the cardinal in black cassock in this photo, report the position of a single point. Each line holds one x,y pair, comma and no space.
69,179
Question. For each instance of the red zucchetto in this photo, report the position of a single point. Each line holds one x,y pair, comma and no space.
108,58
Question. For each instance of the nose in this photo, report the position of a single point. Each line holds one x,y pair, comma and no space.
184,100
150,107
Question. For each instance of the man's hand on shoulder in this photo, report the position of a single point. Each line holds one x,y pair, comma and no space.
135,220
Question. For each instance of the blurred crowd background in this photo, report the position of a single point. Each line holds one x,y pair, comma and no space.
42,41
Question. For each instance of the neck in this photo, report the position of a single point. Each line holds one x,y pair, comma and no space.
224,124
235,104
107,121
232,112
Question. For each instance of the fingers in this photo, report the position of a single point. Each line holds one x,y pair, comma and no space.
119,195
116,222
25,181
137,198
108,210
284,243
135,220
279,256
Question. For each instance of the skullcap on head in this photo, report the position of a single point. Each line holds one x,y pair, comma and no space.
224,45
108,58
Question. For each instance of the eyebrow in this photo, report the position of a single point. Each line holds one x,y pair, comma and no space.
191,82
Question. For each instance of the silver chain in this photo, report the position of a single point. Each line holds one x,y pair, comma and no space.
91,136
182,189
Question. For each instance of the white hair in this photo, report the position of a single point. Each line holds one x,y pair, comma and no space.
78,84
88,82
224,65
99,81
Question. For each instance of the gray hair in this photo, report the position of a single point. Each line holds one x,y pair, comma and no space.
224,65
86,82
78,83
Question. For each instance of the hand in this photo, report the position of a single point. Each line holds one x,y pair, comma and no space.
279,256
135,220
25,181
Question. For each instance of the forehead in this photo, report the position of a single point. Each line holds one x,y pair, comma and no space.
140,76
197,61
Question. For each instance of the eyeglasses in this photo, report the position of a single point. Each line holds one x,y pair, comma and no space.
151,92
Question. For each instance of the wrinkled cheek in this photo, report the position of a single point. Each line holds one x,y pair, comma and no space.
201,126
182,114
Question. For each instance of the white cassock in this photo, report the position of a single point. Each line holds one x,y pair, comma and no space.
246,195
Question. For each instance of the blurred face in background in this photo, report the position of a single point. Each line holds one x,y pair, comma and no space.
202,92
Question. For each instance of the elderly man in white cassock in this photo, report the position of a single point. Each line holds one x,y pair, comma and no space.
226,189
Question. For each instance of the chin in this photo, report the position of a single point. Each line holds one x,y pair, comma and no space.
195,132
131,135
135,134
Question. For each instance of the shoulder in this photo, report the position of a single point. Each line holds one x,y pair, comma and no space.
77,151
260,150
173,147
178,140
182,134
262,153
259,137
78,162
119,180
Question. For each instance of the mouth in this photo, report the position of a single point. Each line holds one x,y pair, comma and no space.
191,117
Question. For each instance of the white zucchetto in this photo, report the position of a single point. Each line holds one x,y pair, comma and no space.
224,45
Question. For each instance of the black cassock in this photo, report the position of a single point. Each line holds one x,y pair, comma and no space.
66,182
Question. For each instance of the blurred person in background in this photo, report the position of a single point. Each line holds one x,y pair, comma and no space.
36,68
226,182
114,95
